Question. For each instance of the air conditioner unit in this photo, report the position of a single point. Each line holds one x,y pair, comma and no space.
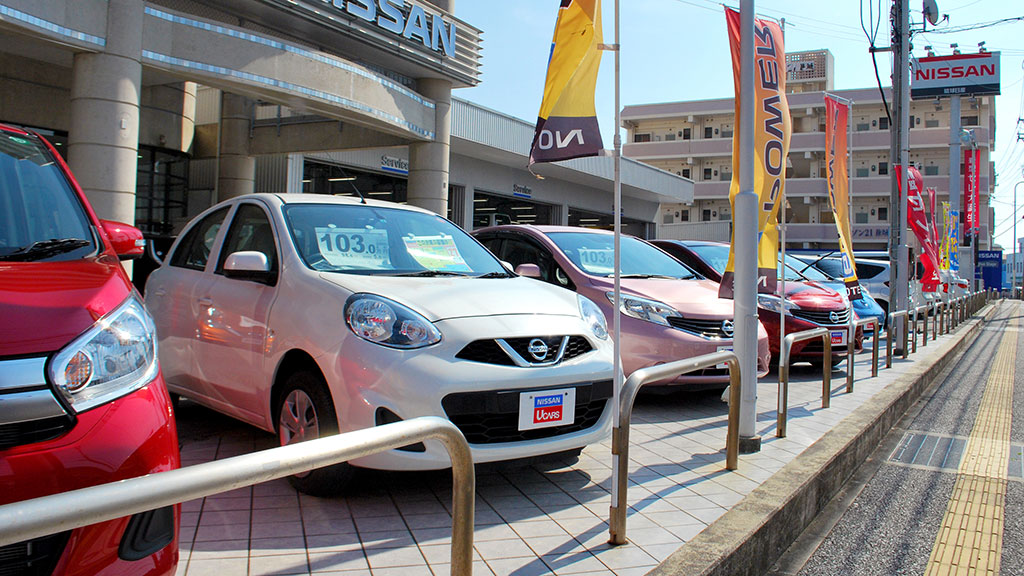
689,118
689,160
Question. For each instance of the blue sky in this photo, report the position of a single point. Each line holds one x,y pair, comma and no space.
678,50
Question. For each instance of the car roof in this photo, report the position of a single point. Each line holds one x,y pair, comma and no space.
290,199
547,229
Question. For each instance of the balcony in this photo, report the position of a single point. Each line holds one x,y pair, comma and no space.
817,187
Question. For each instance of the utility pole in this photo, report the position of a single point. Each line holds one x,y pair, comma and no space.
899,151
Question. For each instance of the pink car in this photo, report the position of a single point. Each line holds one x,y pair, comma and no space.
669,312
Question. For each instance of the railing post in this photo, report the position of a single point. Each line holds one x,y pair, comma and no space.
787,345
850,360
935,321
924,333
906,333
826,371
913,337
620,434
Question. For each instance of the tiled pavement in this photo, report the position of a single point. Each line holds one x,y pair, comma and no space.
531,518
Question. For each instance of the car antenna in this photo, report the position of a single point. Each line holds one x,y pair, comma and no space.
351,182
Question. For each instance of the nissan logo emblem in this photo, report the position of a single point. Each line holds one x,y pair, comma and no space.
728,328
538,349
834,317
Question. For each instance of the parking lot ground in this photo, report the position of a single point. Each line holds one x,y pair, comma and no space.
546,516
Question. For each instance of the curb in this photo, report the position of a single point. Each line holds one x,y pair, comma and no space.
751,536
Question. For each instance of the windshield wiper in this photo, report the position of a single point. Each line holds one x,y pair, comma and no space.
495,275
45,249
432,273
645,276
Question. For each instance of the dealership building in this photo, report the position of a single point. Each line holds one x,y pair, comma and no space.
165,107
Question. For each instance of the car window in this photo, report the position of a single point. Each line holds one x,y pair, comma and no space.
366,239
41,216
250,231
594,254
194,249
865,270
812,273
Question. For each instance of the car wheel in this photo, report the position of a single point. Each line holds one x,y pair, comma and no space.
306,412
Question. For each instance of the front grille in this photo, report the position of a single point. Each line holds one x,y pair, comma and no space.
20,433
493,417
705,328
33,557
492,352
823,317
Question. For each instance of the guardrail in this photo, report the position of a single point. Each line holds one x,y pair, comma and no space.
826,373
620,434
891,335
59,512
850,359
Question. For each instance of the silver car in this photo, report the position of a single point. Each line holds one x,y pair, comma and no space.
306,315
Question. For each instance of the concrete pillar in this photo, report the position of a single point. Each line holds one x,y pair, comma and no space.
103,139
429,161
236,168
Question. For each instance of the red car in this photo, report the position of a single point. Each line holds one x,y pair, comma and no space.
82,401
808,304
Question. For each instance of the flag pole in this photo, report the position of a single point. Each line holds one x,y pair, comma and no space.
617,293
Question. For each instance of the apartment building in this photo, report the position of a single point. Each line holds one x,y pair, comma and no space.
693,139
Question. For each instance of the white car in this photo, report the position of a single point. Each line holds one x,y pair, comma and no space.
305,315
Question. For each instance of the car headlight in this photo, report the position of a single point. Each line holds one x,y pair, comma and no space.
389,323
644,309
115,357
593,317
774,303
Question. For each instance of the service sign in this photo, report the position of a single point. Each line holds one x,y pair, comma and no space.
955,75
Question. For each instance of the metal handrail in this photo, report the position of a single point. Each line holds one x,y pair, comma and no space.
620,435
935,321
826,373
59,512
891,334
874,349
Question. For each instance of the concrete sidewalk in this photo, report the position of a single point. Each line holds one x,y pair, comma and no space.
551,516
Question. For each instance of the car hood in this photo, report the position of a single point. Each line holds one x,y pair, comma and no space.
447,297
814,296
693,298
44,305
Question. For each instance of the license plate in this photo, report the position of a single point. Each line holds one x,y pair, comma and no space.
723,365
838,337
543,409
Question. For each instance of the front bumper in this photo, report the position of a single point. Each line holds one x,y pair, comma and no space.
366,378
132,436
807,350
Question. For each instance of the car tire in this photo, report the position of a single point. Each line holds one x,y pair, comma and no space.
305,412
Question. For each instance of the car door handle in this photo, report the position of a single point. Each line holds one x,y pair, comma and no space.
206,301
160,293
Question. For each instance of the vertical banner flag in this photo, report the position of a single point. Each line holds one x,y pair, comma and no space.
954,240
837,175
567,124
944,254
918,221
972,198
772,128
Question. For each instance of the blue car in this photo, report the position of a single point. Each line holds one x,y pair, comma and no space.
865,307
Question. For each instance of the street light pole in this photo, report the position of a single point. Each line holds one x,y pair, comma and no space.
1013,265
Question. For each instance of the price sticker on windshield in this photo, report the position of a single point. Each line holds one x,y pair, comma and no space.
354,247
597,261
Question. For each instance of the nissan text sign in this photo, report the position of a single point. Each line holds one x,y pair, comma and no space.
956,75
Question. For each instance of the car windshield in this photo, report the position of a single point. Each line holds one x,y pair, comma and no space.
812,272
593,254
831,266
41,216
373,240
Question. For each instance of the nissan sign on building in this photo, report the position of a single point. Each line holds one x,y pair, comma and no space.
955,75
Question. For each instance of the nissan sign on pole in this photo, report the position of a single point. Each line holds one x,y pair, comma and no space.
955,75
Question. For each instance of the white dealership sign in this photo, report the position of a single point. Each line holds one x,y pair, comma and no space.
955,75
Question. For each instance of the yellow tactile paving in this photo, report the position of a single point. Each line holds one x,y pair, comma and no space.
970,539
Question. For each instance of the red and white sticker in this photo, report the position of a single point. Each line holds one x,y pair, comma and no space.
838,337
546,408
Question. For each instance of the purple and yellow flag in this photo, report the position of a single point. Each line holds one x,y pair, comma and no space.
567,124
772,129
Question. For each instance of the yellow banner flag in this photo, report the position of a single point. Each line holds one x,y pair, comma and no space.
838,177
567,124
772,129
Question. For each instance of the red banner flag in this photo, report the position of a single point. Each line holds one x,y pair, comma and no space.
972,196
917,218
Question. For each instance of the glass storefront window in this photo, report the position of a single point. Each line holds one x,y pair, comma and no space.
588,219
324,178
161,191
495,210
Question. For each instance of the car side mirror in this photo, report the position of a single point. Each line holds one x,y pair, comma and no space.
528,270
127,241
249,265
